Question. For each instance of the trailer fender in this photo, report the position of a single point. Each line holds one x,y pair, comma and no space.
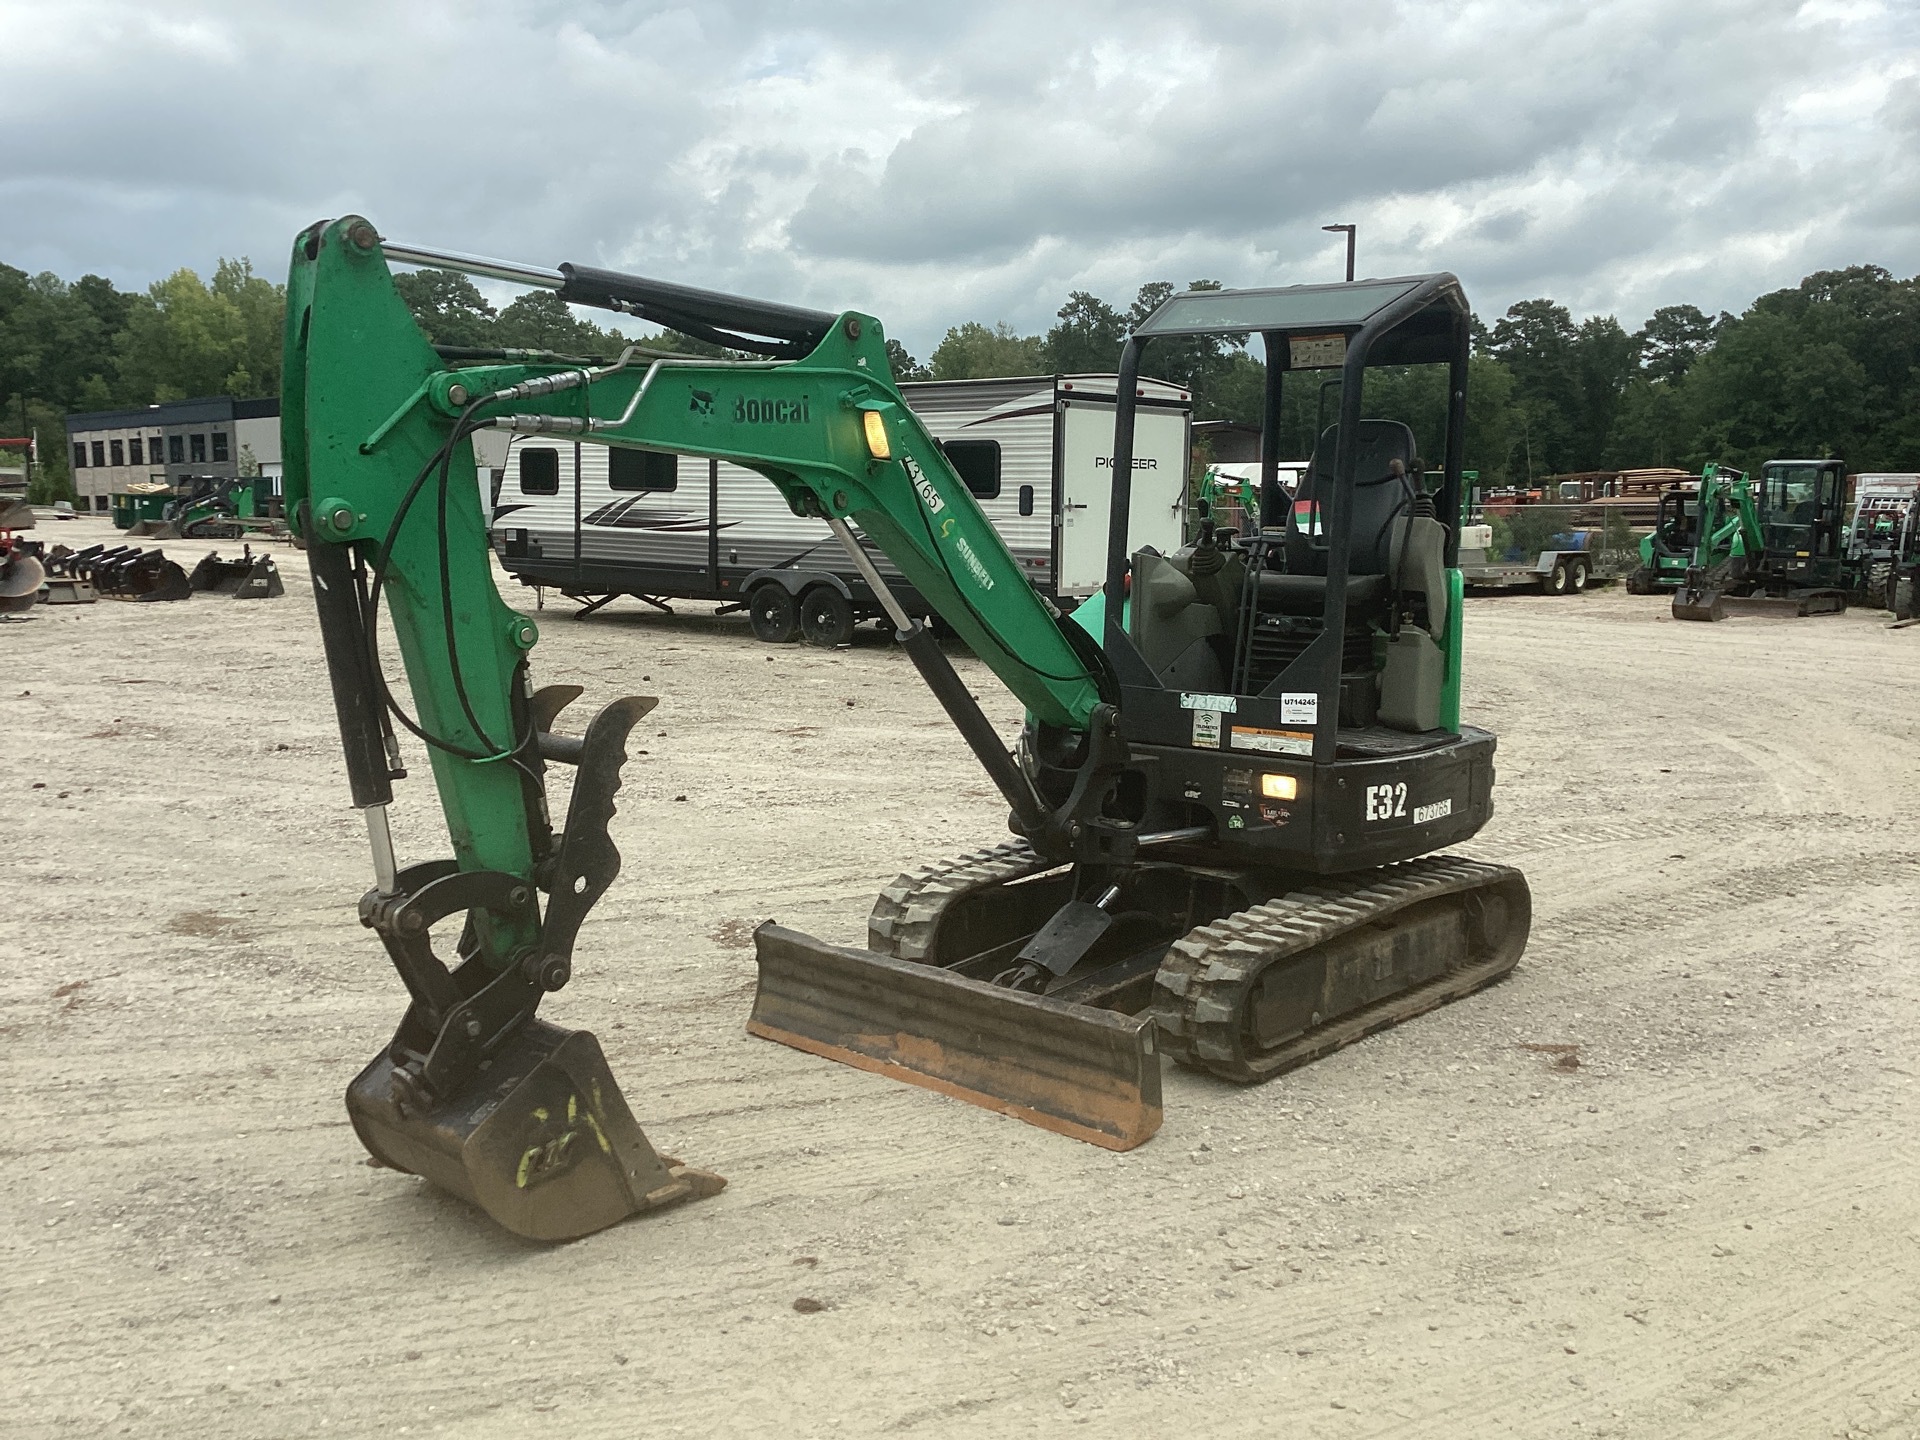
796,581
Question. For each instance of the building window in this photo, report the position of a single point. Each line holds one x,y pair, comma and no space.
154,452
220,447
539,471
134,455
99,452
79,454
176,451
118,450
102,502
197,449
642,470
978,463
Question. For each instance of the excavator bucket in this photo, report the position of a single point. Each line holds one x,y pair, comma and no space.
543,1141
251,577
1699,602
139,575
1074,1069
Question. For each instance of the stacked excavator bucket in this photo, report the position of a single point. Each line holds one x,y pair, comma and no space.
65,585
128,572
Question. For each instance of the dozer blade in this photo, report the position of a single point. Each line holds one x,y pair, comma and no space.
1073,1069
1796,604
542,1140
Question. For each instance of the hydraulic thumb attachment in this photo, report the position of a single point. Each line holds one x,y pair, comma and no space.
473,1092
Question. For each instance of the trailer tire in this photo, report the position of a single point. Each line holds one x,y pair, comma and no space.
772,613
826,617
1554,582
1576,575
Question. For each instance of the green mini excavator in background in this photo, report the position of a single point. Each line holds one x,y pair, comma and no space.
1772,546
1237,761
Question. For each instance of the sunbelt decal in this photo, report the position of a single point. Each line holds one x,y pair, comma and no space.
980,575
929,495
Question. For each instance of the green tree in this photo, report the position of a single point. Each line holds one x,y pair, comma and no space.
974,352
185,338
447,306
1087,339
904,366
1672,339
541,320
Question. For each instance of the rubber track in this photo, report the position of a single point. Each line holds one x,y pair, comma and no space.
904,917
1209,974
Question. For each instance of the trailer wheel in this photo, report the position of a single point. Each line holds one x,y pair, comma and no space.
774,616
826,617
1554,582
1576,575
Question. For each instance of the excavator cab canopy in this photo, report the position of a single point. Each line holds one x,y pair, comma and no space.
1333,551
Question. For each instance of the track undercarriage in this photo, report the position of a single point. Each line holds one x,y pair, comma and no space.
1243,974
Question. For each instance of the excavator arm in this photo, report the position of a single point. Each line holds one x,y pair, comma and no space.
380,481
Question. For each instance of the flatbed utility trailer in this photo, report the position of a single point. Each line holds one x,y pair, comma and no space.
1557,549
1035,452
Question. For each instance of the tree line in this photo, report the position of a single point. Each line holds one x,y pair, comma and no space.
1828,367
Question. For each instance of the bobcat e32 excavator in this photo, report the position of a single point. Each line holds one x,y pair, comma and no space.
1237,761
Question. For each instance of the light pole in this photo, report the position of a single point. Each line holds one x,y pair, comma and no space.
1349,229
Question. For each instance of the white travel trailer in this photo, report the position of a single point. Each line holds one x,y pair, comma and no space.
596,523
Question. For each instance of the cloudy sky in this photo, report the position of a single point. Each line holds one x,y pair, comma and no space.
933,163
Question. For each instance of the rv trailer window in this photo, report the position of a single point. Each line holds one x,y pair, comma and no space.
1026,499
540,470
642,470
978,463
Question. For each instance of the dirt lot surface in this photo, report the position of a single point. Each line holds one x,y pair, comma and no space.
1665,1181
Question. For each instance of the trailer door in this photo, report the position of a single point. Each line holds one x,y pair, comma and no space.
1160,446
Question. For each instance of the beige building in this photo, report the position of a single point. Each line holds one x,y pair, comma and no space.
110,449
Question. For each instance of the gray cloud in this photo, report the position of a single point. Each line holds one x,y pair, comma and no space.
938,163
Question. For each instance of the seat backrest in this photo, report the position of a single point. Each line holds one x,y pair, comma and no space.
1378,497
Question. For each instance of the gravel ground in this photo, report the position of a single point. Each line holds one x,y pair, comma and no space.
1660,1183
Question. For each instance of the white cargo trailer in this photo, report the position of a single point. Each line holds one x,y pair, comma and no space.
595,523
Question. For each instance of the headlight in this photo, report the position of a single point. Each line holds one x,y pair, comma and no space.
875,424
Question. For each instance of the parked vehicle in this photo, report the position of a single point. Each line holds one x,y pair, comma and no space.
595,523
1883,535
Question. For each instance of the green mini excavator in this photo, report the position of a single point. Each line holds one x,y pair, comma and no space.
1237,764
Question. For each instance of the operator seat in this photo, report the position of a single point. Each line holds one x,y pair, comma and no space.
1397,547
